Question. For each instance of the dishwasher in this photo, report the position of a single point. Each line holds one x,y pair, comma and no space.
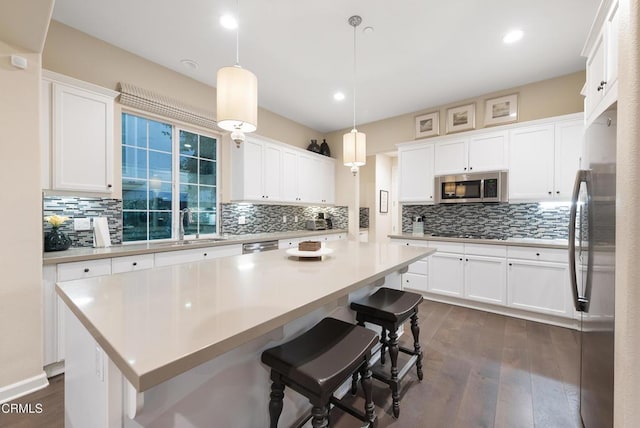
258,247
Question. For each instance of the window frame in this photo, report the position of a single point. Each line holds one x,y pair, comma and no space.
176,127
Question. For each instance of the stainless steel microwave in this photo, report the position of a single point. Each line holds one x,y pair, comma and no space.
477,187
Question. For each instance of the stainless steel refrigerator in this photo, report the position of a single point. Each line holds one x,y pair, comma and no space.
592,267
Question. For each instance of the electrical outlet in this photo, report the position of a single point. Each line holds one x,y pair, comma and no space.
284,218
242,220
295,218
82,223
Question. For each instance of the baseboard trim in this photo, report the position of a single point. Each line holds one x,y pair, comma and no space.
54,369
23,387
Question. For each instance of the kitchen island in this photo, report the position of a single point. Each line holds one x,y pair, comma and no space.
180,345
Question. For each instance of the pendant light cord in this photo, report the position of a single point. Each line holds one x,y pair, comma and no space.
354,76
238,33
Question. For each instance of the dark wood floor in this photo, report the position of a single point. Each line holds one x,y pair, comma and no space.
480,370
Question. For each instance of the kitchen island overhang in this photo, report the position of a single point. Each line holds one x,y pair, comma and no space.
158,323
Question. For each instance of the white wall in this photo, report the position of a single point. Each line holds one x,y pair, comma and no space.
383,182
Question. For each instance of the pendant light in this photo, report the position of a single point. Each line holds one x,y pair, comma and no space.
354,143
237,97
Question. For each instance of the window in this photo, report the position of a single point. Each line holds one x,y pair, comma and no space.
166,169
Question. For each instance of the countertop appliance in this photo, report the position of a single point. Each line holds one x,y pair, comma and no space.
258,247
474,187
592,269
317,224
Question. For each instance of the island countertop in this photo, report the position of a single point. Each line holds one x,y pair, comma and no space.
155,324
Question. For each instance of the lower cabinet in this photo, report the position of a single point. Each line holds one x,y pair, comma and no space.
293,242
532,279
196,254
539,286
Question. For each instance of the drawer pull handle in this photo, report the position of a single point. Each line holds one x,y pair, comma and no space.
205,254
510,264
537,254
135,263
460,259
86,270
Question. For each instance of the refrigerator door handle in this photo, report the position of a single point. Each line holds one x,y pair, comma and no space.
579,302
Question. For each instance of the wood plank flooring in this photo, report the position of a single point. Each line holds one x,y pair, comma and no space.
480,370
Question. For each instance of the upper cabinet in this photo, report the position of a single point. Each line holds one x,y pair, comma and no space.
267,171
478,153
415,168
541,157
543,160
76,135
601,50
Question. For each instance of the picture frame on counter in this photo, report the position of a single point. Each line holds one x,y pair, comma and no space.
461,118
428,125
501,110
384,201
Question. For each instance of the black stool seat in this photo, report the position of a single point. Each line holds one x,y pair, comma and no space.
316,363
389,308
388,304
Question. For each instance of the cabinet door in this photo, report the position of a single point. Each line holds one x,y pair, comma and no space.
327,181
531,151
568,144
446,274
539,287
595,75
415,169
485,279
289,191
450,157
413,281
308,183
612,30
272,167
252,185
82,140
488,152
49,316
45,133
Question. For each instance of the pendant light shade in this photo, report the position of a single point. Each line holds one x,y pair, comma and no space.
354,143
354,148
237,99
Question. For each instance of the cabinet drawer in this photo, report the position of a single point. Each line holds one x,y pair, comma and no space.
541,254
131,263
86,269
447,247
411,242
420,267
415,281
486,250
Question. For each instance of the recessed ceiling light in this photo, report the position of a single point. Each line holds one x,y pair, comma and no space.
338,96
368,30
229,22
513,36
189,63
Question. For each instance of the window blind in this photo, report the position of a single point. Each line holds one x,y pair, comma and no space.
143,99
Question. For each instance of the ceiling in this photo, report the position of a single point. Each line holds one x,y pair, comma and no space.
422,53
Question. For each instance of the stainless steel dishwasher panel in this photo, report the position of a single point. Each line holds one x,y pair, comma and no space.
258,247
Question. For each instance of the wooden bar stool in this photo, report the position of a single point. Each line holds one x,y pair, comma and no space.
389,308
316,363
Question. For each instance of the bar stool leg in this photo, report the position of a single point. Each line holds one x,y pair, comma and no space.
415,330
319,417
354,383
393,355
383,349
369,407
275,404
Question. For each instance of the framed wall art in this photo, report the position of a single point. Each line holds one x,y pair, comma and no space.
428,125
384,201
501,110
461,118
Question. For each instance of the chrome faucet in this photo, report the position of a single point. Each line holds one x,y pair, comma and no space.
189,220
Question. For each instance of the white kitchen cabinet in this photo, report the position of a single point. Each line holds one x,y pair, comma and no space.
271,175
446,274
601,50
77,135
255,171
415,169
131,263
485,279
543,160
477,153
289,191
539,287
49,316
83,269
196,254
327,185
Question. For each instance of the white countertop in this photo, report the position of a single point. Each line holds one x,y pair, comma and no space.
88,253
516,242
155,324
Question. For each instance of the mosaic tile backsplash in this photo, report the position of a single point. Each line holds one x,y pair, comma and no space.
364,217
73,207
530,220
268,218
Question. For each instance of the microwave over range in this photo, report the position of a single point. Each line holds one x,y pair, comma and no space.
476,187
